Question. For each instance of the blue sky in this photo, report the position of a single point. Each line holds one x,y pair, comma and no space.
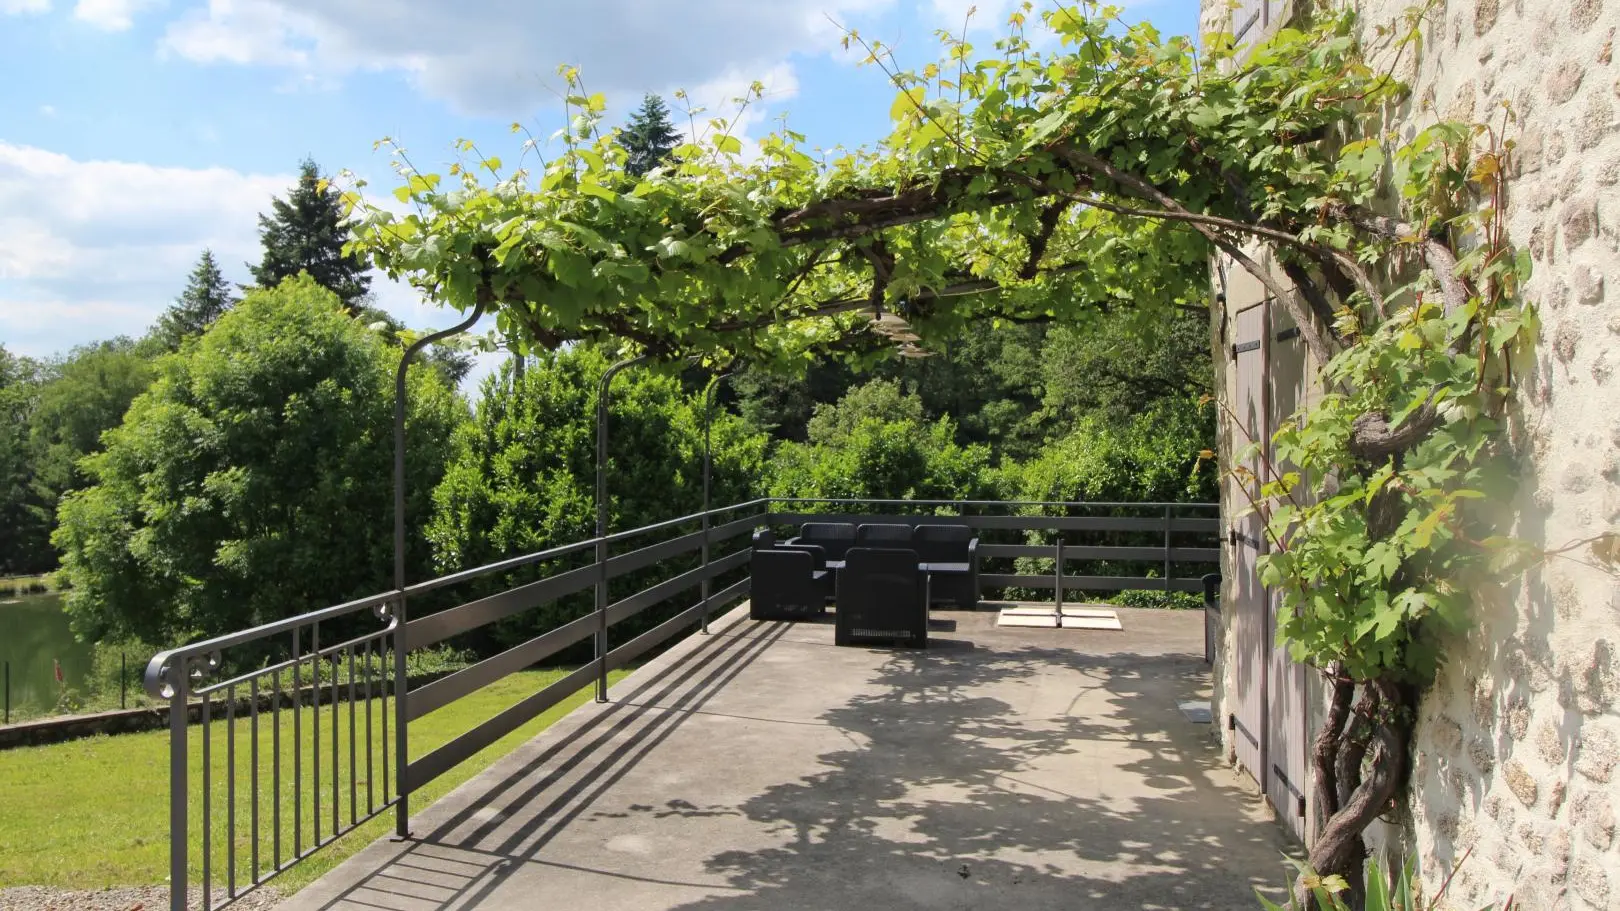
134,133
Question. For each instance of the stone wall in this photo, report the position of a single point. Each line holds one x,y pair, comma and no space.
1518,744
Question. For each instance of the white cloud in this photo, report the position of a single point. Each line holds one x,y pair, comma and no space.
110,15
47,110
19,7
92,249
501,59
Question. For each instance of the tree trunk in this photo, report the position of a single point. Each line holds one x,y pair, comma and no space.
1349,796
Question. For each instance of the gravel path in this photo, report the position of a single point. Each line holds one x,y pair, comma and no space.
120,898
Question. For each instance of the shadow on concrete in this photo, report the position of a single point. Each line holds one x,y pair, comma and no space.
870,814
949,794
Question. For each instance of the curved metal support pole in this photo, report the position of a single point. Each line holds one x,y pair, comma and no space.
602,390
402,812
708,463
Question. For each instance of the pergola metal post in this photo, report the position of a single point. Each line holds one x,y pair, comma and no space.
402,812
708,462
602,390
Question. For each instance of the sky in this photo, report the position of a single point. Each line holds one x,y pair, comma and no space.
135,133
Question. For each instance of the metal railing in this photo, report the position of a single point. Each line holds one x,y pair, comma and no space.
325,698
314,700
1183,533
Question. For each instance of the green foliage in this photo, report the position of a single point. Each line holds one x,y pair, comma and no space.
1113,365
648,137
1158,600
253,480
876,444
24,547
307,232
522,473
85,394
1152,456
1401,892
1378,555
206,297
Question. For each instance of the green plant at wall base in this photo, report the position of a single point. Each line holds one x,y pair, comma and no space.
1401,892
1031,185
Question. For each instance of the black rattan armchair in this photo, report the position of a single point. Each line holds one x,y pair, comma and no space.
952,553
882,597
786,585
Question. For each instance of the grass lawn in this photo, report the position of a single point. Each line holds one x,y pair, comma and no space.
94,813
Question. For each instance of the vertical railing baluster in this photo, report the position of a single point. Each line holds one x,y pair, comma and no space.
402,775
253,709
179,819
298,745
208,801
388,694
1058,577
315,728
371,653
275,775
601,637
1167,561
354,811
230,791
337,801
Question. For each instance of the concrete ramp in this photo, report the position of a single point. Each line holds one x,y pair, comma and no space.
759,767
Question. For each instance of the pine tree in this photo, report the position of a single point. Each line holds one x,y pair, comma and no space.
649,137
206,298
305,233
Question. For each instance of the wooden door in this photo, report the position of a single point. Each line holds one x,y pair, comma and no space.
1286,374
1249,608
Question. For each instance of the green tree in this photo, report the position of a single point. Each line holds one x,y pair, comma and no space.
876,444
305,233
1150,456
521,477
649,137
24,522
207,296
452,363
1114,365
253,480
83,395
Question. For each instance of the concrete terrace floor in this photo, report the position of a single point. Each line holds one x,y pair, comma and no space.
759,767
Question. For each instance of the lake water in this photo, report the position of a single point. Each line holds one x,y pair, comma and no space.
34,635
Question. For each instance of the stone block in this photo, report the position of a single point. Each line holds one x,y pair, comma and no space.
1590,882
1583,14
1566,341
1580,221
1596,752
1485,12
1588,285
1446,735
1518,718
1479,750
1549,744
1521,782
1563,81
1596,124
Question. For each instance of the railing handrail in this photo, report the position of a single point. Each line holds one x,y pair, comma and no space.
1094,503
154,678
161,663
